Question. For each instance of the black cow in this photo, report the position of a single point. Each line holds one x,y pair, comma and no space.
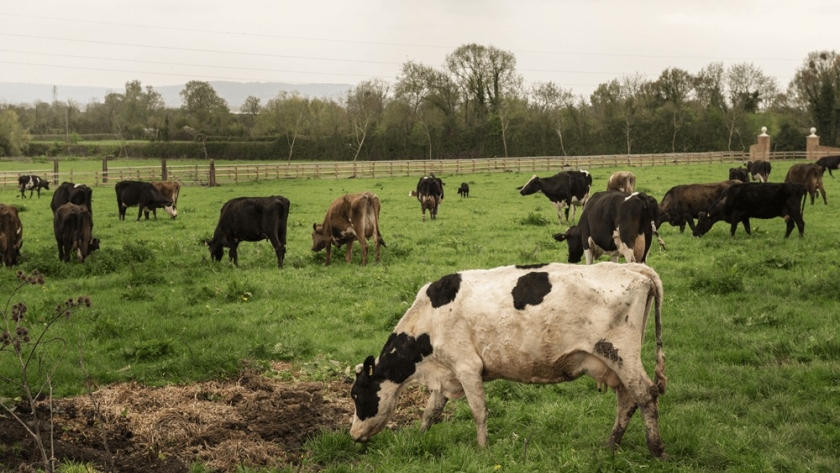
11,235
78,194
683,203
430,194
614,223
829,163
563,189
251,219
759,169
142,194
756,200
739,174
32,183
464,190
72,225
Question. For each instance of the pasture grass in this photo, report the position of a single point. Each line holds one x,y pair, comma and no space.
750,322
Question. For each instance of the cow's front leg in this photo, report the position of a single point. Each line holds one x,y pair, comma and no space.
233,254
349,256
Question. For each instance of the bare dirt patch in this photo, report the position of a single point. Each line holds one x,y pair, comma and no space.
253,420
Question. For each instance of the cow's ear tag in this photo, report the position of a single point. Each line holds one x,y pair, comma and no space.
370,371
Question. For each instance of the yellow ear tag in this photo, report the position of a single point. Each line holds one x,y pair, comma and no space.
370,371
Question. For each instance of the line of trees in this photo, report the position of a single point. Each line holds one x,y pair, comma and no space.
474,105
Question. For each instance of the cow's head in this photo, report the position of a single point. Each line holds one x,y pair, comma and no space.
379,382
318,240
572,237
216,246
530,187
171,210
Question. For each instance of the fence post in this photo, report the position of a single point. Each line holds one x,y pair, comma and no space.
55,171
105,169
212,182
164,176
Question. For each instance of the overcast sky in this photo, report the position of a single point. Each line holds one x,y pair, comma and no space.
577,44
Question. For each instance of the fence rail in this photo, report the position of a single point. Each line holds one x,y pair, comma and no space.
212,174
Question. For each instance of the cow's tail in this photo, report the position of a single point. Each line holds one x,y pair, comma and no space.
661,379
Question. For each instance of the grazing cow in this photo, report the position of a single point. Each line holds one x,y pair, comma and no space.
142,194
756,200
78,194
464,190
350,217
811,176
531,324
72,225
11,235
169,189
739,174
759,169
250,219
430,193
829,163
32,183
564,189
613,223
683,203
624,181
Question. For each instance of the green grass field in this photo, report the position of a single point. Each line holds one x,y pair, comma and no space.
750,322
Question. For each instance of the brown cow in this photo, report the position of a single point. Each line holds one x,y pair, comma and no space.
350,217
683,203
72,225
169,189
624,181
811,176
11,235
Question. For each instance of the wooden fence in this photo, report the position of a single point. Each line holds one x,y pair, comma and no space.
213,174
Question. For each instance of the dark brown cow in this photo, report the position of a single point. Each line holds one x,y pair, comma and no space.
624,181
683,203
169,189
11,235
739,174
430,193
72,225
350,217
250,219
811,176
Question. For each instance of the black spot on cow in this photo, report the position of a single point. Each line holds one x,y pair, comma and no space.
530,289
397,362
606,348
444,290
531,266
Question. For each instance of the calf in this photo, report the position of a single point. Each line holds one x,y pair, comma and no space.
78,194
464,190
72,225
756,200
32,183
683,203
739,174
564,189
759,169
531,324
11,235
430,193
624,181
250,219
349,218
170,190
613,223
829,163
810,175
142,194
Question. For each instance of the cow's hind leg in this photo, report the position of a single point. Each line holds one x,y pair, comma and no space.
233,254
646,396
434,408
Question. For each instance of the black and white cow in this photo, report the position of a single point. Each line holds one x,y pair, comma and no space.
759,170
613,223
144,195
763,200
32,183
250,219
564,189
531,324
430,193
829,163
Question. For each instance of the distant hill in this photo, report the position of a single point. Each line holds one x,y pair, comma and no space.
234,93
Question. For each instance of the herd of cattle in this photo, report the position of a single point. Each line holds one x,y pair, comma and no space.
544,323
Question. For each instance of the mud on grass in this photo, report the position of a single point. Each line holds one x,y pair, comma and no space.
254,421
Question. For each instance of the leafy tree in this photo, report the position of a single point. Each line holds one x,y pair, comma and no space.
485,75
365,105
13,138
550,102
204,109
816,84
287,115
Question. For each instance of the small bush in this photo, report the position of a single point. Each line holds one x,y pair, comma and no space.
534,219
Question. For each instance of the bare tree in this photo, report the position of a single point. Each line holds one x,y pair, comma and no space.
365,105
